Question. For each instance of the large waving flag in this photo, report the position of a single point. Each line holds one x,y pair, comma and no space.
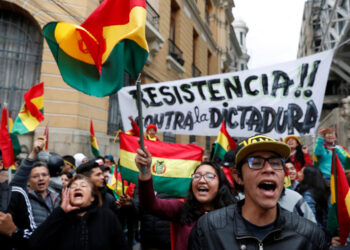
339,211
224,143
32,111
172,163
93,141
8,155
92,57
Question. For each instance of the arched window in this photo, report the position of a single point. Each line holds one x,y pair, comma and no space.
21,45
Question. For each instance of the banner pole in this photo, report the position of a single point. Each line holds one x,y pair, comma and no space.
140,121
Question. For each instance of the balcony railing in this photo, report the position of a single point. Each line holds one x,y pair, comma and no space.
195,71
152,16
175,52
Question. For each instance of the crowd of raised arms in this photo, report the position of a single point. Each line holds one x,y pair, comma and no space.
267,194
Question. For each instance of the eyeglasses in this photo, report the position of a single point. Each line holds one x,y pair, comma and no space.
258,162
36,176
207,176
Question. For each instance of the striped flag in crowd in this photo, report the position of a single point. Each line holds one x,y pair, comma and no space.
172,163
339,210
224,143
93,141
32,111
8,156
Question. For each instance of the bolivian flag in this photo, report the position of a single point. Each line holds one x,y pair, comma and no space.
32,111
15,142
172,164
8,155
120,186
339,210
224,143
92,57
93,141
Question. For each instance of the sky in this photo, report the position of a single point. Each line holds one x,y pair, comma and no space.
274,29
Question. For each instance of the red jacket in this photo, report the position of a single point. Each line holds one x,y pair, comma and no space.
298,164
135,131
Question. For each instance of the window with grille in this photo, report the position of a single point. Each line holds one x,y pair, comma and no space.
21,46
207,143
192,138
169,137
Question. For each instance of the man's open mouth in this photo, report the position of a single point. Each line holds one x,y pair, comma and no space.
41,185
267,185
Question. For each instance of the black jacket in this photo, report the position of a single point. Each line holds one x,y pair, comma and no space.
22,216
5,195
155,232
225,229
108,200
98,229
20,206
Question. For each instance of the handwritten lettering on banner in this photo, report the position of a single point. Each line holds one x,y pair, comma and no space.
276,100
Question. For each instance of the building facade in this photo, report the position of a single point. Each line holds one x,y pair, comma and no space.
186,38
325,26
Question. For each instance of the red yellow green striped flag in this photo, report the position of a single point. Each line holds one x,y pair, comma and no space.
10,122
93,141
172,163
120,186
92,57
339,210
224,143
8,155
32,111
15,142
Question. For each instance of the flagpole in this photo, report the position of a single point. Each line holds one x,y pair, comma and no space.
140,121
46,136
334,162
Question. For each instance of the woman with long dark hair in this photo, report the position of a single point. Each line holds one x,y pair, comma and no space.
315,192
209,190
299,153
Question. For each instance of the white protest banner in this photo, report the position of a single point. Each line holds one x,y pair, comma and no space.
278,100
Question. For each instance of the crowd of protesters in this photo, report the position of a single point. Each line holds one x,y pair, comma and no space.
240,202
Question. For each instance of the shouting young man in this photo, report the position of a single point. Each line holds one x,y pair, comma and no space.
257,222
